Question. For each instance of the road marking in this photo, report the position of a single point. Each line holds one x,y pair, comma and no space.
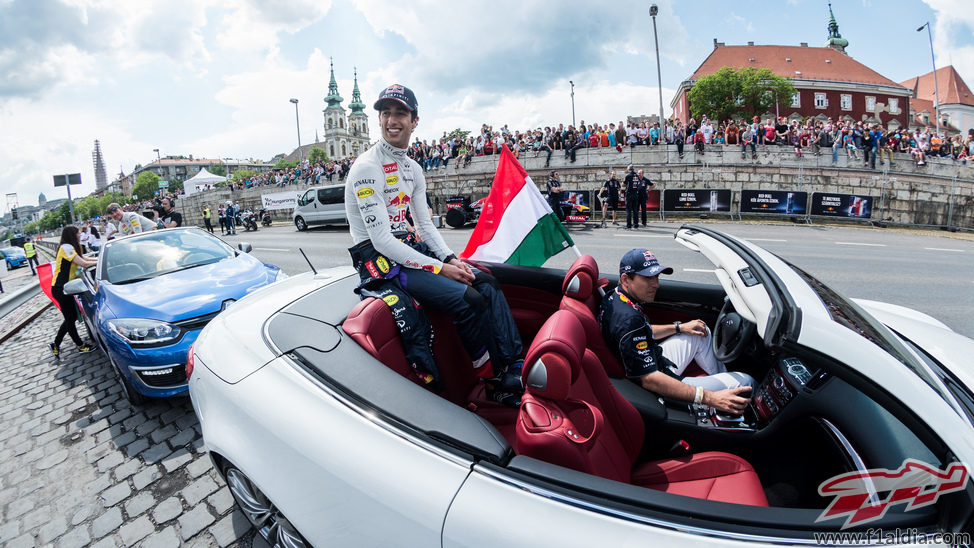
944,249
644,236
270,249
699,270
860,243
765,240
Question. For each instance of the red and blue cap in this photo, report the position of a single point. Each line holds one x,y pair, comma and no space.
642,262
400,93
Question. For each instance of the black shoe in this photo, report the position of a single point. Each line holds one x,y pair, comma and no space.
56,350
85,348
506,388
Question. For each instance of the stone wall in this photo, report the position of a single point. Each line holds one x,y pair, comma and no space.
906,194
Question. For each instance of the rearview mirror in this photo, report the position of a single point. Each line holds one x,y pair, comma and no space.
245,247
75,287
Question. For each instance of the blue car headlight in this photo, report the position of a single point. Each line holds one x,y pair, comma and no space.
142,332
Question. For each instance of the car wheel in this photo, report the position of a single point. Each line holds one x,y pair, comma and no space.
299,222
261,512
128,390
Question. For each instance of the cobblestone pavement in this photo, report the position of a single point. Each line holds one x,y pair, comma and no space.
79,466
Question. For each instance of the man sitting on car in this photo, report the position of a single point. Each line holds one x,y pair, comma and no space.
659,365
382,185
129,222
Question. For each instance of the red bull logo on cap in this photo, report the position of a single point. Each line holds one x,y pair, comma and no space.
394,88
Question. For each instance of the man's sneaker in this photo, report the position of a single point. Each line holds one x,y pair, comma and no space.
85,348
55,349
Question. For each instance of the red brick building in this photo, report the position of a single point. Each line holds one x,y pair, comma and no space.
830,83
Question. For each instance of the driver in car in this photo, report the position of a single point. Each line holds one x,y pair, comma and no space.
658,354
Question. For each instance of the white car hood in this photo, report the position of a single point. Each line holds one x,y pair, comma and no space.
951,349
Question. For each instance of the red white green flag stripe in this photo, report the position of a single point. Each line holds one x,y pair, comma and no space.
516,224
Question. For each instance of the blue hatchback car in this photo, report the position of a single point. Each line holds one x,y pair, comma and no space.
149,296
13,256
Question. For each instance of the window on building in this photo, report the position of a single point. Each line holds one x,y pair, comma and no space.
796,99
894,105
870,103
344,152
341,123
329,123
821,101
331,150
845,101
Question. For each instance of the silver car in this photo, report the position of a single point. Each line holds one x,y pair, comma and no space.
861,423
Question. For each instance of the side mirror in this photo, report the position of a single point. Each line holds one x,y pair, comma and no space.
245,247
75,287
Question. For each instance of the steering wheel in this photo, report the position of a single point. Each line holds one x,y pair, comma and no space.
731,334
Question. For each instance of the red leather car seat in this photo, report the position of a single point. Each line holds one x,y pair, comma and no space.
581,297
371,325
571,415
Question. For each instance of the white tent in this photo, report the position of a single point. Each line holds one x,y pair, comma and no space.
201,181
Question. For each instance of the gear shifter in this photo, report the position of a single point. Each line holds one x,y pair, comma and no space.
720,417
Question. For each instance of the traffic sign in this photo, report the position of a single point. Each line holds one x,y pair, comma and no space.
163,184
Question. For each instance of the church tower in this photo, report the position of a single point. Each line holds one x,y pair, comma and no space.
344,136
358,121
334,119
835,41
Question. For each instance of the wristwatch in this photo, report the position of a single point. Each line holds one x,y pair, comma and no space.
677,326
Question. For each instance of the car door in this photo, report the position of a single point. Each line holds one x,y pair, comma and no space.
88,303
308,207
332,200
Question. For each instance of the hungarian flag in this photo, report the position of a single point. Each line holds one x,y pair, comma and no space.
516,224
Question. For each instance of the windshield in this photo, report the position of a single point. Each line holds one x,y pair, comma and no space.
11,250
160,252
849,315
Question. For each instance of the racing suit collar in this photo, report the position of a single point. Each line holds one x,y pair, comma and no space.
389,149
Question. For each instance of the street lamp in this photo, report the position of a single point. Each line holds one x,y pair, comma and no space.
573,102
158,157
936,90
298,124
653,11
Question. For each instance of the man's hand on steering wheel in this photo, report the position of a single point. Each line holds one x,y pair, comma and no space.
729,400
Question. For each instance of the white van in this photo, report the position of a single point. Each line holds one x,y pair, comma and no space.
320,205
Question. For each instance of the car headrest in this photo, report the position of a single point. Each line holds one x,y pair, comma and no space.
554,360
581,278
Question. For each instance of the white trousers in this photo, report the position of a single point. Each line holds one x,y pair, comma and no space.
682,349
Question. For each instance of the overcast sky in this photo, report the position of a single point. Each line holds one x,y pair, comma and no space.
212,78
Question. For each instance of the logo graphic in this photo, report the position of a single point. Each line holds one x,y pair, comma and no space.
364,193
389,168
372,270
390,299
915,483
394,88
369,219
382,264
392,179
399,200
642,345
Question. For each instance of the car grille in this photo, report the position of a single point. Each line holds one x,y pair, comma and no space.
198,322
163,377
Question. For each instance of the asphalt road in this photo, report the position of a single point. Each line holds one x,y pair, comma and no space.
930,271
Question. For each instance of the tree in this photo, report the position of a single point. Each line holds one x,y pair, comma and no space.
730,93
146,185
217,169
284,164
761,90
317,155
459,134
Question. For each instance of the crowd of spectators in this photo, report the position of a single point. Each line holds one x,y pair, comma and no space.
306,172
860,141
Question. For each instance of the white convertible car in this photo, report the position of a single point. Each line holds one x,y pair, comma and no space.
861,424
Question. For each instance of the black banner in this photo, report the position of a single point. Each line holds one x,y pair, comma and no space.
698,200
842,205
779,202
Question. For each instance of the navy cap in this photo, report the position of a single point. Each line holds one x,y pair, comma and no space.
642,262
402,94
